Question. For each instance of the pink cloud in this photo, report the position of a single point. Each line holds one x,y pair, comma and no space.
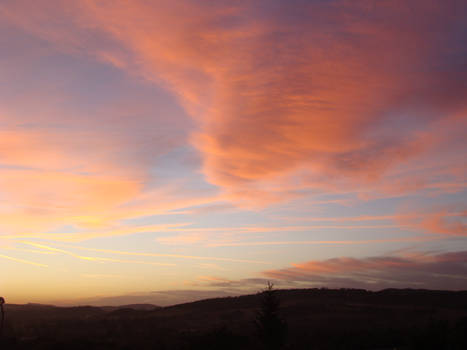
275,98
417,270
446,222
337,103
50,179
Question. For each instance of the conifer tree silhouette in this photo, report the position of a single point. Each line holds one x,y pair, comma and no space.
271,327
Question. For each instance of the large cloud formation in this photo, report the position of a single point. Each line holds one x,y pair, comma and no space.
292,95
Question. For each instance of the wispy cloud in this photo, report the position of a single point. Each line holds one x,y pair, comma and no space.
93,258
355,242
120,252
22,261
441,221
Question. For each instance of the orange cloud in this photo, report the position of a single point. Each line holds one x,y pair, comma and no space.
276,100
61,197
284,105
445,222
439,223
50,179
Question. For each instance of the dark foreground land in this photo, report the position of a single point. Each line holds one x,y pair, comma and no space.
316,319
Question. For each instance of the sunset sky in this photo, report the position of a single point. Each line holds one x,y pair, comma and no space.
169,150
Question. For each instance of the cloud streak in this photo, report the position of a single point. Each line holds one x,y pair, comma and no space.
27,262
176,256
285,243
92,258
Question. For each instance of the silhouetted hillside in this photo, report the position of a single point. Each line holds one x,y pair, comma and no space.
145,307
316,318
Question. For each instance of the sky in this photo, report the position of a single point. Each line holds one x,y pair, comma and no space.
166,151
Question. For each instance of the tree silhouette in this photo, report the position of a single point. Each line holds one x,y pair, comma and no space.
2,301
271,327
